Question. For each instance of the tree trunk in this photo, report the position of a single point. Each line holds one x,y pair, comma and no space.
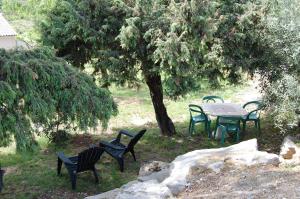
156,92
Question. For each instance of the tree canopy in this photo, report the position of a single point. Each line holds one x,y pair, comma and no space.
40,91
163,42
169,45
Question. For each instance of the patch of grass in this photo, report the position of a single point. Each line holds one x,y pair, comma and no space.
33,175
135,106
37,170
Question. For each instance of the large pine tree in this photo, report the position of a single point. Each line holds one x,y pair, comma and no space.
168,44
126,40
41,92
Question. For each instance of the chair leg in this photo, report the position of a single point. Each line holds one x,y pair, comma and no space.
192,128
215,132
133,155
258,125
121,163
244,126
238,135
223,137
208,130
59,164
217,124
190,125
1,179
96,175
73,177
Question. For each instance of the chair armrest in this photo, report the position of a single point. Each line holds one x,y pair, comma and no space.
123,132
107,144
259,103
92,145
64,158
74,159
127,133
253,111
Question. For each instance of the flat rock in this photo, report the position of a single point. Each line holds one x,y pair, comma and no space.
162,180
147,190
106,195
244,153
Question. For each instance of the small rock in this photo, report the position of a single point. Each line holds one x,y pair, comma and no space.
289,152
154,166
159,176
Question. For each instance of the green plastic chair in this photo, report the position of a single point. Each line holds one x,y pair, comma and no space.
212,98
228,125
253,115
197,115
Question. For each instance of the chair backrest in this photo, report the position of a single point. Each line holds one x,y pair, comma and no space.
135,139
196,110
213,99
88,158
229,120
253,107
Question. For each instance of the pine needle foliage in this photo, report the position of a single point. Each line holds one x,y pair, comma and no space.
40,92
172,45
133,41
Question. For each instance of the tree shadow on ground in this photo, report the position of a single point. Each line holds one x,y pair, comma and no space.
36,174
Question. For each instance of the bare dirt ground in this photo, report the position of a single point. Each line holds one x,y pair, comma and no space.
63,194
251,92
247,182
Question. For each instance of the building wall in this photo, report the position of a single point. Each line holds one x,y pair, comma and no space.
8,42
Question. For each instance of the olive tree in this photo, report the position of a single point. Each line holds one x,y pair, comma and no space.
282,96
264,38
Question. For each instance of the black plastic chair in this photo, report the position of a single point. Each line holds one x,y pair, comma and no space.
117,150
85,161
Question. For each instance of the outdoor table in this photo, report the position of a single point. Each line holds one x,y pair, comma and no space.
224,109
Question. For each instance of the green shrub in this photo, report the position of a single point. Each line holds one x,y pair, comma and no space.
283,99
